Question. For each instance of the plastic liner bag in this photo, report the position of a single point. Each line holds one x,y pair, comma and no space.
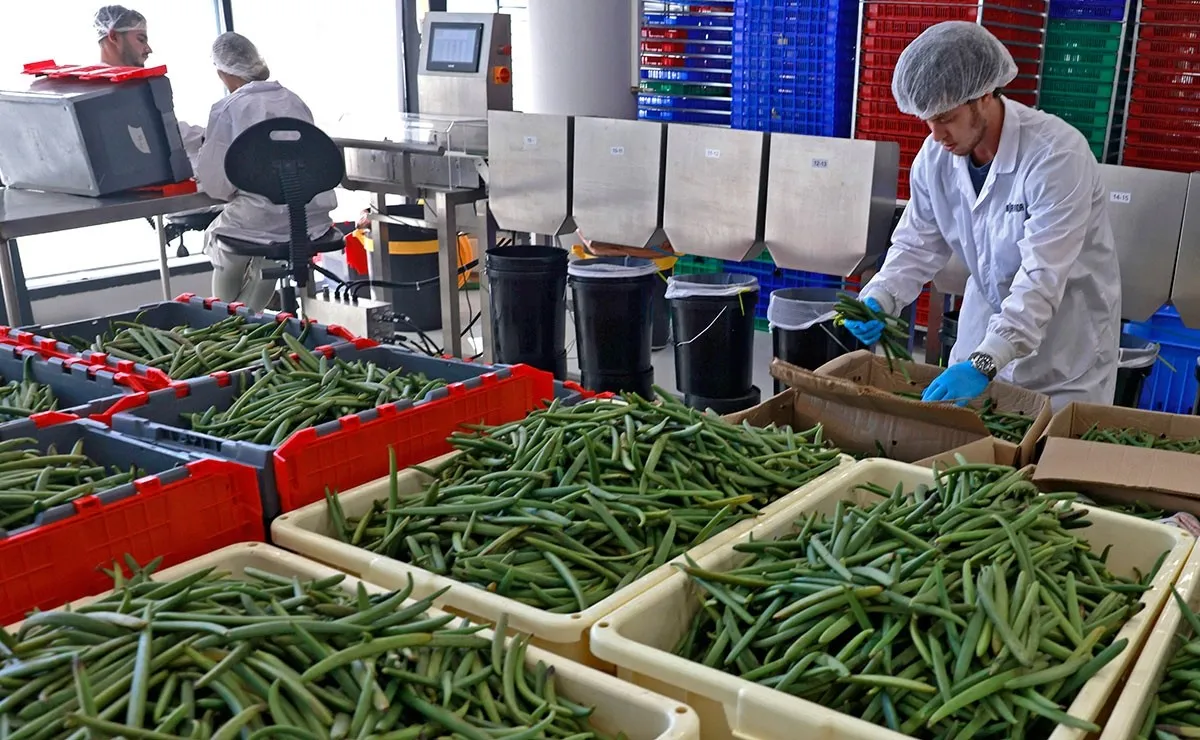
711,285
1136,353
798,309
612,267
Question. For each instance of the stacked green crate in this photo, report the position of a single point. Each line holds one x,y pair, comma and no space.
1083,79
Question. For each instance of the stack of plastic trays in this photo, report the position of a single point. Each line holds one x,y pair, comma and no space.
1086,69
686,62
1162,130
888,26
793,71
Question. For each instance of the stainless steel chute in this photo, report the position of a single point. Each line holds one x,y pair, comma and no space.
618,180
529,160
714,202
830,202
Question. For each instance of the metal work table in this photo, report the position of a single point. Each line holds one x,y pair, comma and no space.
30,213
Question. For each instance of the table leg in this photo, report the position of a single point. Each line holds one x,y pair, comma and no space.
487,241
448,274
164,269
8,282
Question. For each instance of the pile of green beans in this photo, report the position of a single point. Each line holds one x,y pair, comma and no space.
303,390
1010,426
967,608
895,329
32,481
1138,438
20,399
188,352
568,506
208,656
1174,713
1139,509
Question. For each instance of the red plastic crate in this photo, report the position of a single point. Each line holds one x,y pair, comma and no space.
1155,158
1169,33
664,33
924,12
1159,111
1168,64
1170,15
307,464
1186,127
1167,48
664,47
1186,146
1166,79
1190,5
216,504
887,126
921,312
872,108
886,60
877,94
1166,95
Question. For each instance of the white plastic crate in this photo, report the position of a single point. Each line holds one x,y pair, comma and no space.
639,637
310,532
1129,711
620,706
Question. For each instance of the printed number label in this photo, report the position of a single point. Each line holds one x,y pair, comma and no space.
617,151
531,142
1116,197
820,164
712,153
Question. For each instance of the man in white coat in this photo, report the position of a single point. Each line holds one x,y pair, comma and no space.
1015,193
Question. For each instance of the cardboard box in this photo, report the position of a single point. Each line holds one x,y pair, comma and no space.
870,372
854,427
988,451
1117,473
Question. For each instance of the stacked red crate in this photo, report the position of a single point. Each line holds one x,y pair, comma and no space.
888,27
1163,128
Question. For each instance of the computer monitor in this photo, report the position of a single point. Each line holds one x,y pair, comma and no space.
454,47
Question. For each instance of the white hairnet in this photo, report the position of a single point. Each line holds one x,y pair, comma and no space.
117,18
948,65
234,54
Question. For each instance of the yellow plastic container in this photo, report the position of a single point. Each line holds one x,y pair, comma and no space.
620,707
309,531
1129,710
639,637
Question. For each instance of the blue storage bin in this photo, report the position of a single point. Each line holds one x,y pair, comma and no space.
1172,391
679,102
686,75
710,118
688,20
1088,10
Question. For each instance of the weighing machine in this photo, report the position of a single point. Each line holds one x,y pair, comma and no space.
437,154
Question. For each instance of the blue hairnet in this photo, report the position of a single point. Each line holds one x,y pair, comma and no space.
234,54
117,18
948,65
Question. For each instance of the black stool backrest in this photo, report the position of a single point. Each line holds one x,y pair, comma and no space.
288,162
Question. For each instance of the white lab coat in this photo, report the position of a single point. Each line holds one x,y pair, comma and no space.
1044,297
250,217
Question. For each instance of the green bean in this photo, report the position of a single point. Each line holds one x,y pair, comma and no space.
303,681
33,480
25,397
555,510
970,625
894,340
286,395
1132,437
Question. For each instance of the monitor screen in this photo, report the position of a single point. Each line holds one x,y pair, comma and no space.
454,47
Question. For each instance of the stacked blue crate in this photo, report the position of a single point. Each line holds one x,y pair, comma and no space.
1172,386
794,67
686,62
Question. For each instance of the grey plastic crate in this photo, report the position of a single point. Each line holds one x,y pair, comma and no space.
160,421
104,446
80,390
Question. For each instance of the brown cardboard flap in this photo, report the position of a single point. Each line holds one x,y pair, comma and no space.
866,369
1119,466
989,451
1077,418
873,398
855,429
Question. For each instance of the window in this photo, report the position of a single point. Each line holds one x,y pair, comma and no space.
339,57
181,33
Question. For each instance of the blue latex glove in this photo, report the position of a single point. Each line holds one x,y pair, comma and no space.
960,383
867,332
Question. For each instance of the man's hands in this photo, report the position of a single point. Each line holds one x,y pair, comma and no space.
960,383
867,332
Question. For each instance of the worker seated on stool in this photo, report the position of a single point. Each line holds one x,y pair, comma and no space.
252,99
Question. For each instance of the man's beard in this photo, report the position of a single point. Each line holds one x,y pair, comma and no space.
977,120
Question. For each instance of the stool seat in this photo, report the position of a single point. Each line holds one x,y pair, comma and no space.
330,241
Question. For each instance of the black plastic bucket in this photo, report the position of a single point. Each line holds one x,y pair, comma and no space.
527,287
1135,361
948,335
714,339
815,345
661,332
613,299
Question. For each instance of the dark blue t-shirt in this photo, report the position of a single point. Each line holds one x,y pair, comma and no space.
978,174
